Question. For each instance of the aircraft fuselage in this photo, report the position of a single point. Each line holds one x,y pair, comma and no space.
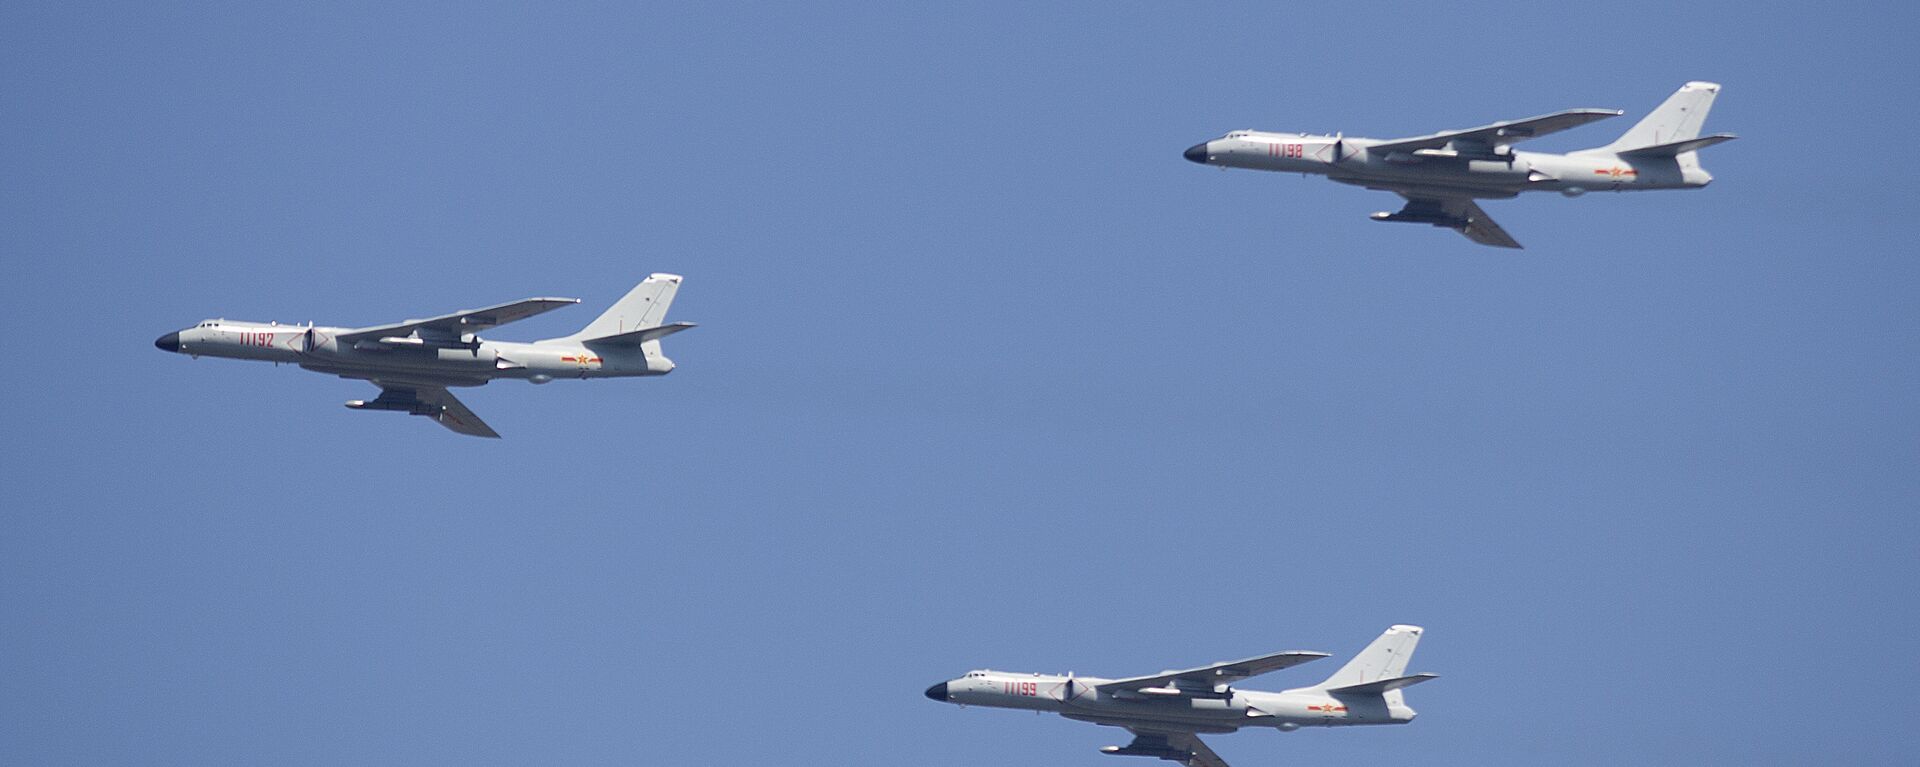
468,361
1446,171
1222,711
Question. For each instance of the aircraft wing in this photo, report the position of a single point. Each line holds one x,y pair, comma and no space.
1216,674
461,323
1183,747
1500,133
1461,214
433,402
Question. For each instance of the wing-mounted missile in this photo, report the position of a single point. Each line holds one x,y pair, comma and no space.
411,407
1412,216
419,341
1136,748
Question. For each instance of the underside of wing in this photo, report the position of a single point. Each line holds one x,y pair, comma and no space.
1460,214
1183,747
430,401
1482,229
1500,133
461,323
1207,678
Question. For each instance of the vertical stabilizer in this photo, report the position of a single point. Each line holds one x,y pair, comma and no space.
1385,658
643,307
1677,119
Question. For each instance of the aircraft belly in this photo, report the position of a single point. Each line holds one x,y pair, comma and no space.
1223,715
420,376
1488,179
1216,724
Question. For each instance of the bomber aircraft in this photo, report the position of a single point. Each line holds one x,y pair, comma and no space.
416,361
1167,711
1441,174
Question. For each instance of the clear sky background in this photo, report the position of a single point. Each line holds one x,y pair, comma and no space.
986,376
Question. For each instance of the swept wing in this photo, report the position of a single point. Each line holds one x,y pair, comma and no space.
1183,747
1500,133
1207,677
460,323
431,401
1460,214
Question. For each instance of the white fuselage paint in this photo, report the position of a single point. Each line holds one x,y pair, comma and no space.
470,363
1223,711
1434,172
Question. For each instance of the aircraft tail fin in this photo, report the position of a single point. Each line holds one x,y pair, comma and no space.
1678,119
1384,661
643,308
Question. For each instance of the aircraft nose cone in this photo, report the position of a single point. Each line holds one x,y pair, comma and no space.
938,692
1196,153
168,343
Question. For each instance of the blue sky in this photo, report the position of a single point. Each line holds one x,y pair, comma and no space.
987,376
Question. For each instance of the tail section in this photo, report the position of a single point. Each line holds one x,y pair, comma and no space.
1385,659
1678,119
643,308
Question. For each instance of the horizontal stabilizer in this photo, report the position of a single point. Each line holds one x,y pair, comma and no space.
1383,685
637,337
1679,147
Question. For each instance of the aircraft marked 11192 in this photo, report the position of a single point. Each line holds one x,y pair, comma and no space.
1441,174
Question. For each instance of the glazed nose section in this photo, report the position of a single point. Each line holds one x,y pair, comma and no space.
168,343
938,692
1196,153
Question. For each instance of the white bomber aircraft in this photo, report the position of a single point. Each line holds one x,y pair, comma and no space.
1443,173
414,362
1167,711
